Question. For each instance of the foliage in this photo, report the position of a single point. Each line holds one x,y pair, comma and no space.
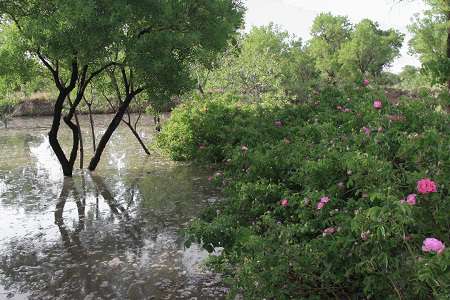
413,78
365,242
388,79
147,44
369,50
20,75
329,33
265,63
430,32
6,110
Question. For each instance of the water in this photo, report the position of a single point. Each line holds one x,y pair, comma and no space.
112,234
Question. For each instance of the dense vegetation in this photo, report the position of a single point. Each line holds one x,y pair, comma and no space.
144,46
335,187
278,163
335,171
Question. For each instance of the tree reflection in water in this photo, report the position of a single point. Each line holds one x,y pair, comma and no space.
107,257
112,235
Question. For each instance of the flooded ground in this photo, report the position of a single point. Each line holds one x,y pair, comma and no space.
114,234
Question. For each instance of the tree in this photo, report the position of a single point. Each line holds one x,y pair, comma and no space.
369,50
150,43
412,77
160,41
266,62
108,86
18,72
329,33
431,40
71,39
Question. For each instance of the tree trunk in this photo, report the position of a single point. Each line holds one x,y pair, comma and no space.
91,121
77,121
76,141
76,132
53,134
109,131
138,138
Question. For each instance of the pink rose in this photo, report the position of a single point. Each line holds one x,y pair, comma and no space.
325,199
425,186
366,82
433,245
284,202
411,199
377,104
329,230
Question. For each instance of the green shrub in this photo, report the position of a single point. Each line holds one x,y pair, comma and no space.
6,110
365,242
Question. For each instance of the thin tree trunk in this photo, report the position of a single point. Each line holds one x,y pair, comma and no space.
136,134
91,121
76,141
76,132
109,131
81,140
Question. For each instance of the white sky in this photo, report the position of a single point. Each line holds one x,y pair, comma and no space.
296,16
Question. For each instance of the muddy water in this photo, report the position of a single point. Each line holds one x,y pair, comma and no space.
112,234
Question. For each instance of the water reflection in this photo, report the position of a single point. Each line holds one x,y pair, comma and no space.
109,235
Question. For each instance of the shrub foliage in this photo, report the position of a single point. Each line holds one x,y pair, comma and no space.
316,194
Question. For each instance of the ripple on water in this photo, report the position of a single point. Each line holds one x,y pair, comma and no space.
114,234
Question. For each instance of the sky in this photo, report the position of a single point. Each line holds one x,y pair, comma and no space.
296,16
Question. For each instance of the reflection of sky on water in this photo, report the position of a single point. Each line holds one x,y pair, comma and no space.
113,234
46,164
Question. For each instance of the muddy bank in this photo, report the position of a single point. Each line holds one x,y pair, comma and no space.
43,107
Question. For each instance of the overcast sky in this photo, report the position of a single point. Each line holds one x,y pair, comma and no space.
296,16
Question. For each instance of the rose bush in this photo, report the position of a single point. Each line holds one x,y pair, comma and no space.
342,230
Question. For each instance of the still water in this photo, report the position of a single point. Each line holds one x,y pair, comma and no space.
112,234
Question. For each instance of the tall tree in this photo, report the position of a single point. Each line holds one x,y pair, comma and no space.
369,49
264,63
431,40
161,40
72,40
329,33
77,40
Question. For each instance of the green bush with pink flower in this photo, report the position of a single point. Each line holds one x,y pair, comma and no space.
345,196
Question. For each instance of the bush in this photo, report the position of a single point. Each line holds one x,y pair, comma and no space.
6,110
344,168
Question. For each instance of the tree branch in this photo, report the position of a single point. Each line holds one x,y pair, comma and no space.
52,70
